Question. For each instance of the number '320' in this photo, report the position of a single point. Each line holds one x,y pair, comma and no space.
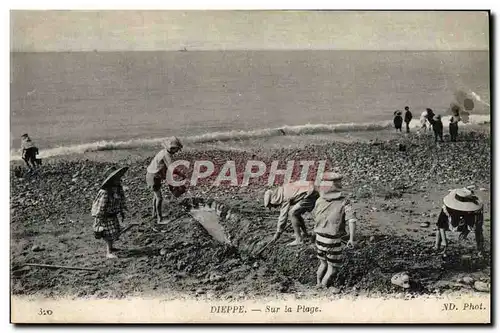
43,312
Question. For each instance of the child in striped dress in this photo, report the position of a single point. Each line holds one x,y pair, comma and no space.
331,212
108,205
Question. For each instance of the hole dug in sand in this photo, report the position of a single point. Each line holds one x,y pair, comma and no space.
369,267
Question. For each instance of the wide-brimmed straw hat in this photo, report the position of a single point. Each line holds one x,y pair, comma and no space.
173,142
398,113
437,117
334,191
462,200
112,173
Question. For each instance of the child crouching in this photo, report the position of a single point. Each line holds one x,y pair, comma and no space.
462,212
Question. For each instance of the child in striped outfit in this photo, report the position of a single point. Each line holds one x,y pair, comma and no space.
331,212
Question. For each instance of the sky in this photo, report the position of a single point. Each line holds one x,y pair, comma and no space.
134,30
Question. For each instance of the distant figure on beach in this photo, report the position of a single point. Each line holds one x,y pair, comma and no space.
408,118
29,152
331,213
437,127
398,120
107,206
157,172
294,199
430,116
423,121
462,212
453,127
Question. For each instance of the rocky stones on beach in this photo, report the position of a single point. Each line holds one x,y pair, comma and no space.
37,248
467,280
214,277
371,170
482,286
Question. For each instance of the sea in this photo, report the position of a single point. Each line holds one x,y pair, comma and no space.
72,102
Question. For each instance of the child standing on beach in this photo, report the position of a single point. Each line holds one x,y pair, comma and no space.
398,120
454,119
437,127
108,205
28,152
408,118
423,121
157,172
331,213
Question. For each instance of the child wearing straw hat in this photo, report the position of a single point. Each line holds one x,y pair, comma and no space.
331,213
108,205
157,172
462,212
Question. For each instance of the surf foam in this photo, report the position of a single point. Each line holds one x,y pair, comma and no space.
234,136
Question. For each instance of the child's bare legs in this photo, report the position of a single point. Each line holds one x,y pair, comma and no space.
297,223
154,205
441,236
32,161
305,234
157,201
437,244
303,227
109,249
28,163
331,269
321,272
479,238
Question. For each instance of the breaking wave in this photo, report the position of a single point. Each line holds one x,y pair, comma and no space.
307,129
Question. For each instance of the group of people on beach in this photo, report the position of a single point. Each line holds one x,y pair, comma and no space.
429,120
332,211
462,212
110,204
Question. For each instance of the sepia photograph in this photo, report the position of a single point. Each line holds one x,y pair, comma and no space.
250,166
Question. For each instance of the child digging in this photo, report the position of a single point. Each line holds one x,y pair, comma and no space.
462,212
109,203
29,152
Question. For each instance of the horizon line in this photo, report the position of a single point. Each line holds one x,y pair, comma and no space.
242,49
